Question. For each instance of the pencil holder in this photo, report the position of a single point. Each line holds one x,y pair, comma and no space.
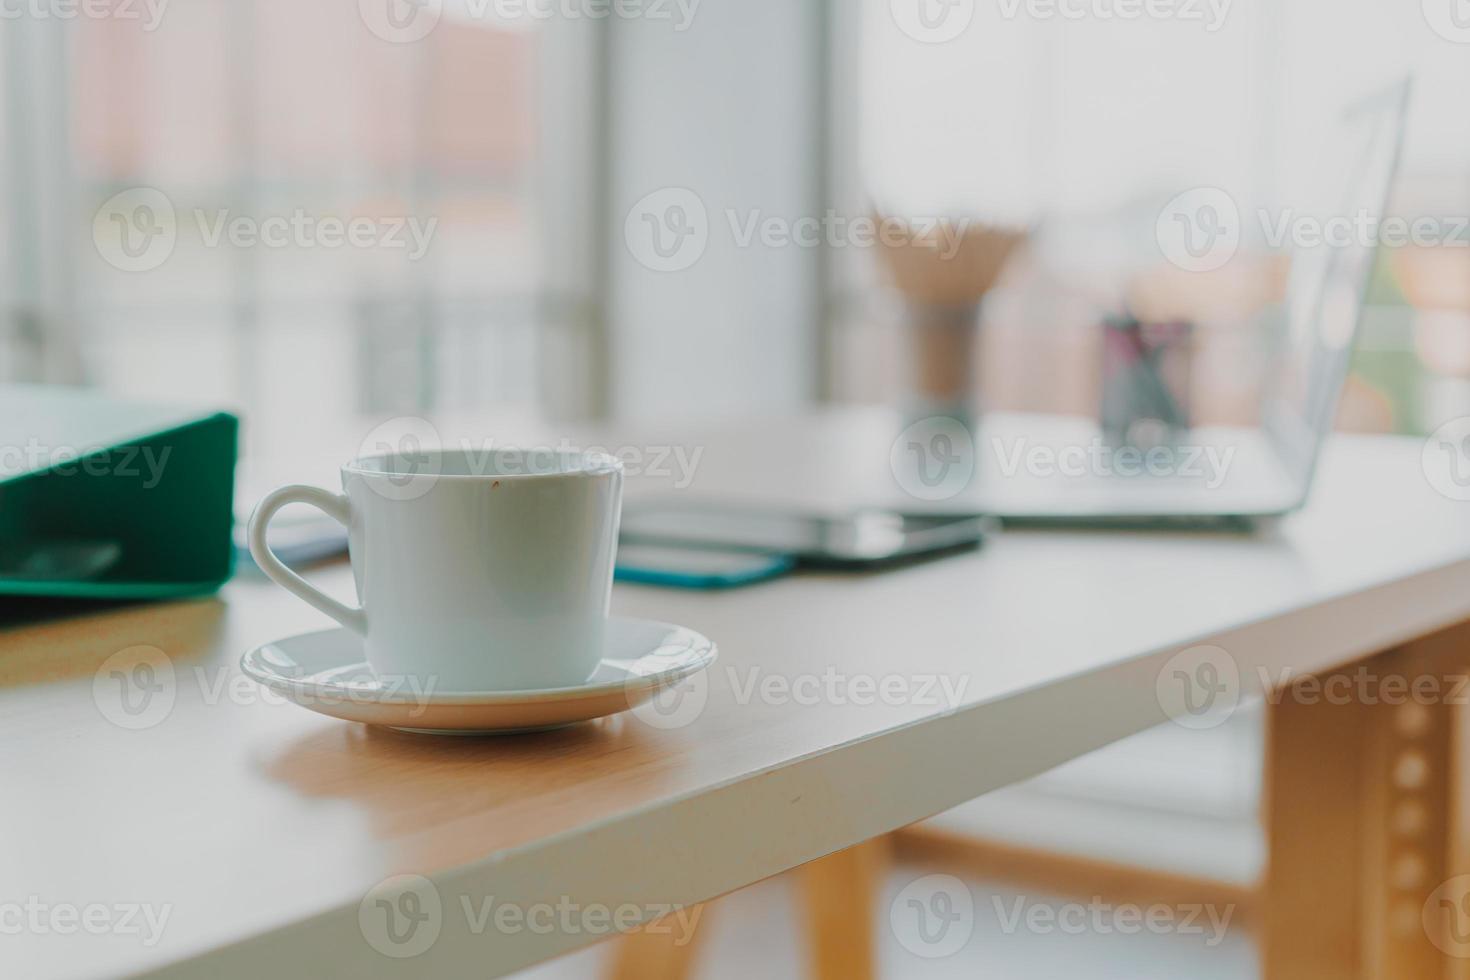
1146,380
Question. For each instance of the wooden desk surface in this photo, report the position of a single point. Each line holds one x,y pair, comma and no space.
258,828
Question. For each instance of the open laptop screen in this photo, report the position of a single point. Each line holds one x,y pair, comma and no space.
1328,280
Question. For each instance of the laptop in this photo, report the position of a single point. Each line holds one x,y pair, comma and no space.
1061,471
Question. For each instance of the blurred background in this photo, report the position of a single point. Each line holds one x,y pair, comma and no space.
527,133
526,141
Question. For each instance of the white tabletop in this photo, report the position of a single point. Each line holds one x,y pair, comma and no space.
258,827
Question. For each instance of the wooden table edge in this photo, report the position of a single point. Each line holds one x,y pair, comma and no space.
687,849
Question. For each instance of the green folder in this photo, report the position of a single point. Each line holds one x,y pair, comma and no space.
104,498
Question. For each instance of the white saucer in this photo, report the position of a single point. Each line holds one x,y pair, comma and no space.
325,671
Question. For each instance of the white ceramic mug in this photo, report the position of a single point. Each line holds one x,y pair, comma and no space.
476,571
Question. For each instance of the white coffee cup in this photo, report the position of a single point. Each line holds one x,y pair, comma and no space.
476,570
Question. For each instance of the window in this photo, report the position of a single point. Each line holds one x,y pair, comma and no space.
272,206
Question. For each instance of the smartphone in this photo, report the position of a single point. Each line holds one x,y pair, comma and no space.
697,568
865,537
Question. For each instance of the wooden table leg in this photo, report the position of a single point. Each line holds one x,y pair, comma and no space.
657,951
840,893
1362,804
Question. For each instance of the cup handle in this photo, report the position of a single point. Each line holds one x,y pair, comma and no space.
334,505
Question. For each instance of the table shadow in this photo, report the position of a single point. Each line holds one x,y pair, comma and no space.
50,639
414,788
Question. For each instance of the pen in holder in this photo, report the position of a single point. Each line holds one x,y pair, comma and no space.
942,275
1146,370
